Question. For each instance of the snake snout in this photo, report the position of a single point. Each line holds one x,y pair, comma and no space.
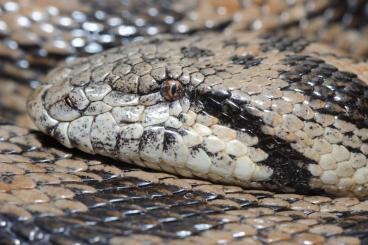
37,111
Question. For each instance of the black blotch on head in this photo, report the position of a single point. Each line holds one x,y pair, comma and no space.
344,94
289,166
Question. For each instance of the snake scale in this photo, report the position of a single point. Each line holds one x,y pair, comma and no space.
269,98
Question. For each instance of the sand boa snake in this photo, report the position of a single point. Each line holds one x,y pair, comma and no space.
260,111
274,112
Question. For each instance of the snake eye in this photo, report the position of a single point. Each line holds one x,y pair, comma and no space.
172,90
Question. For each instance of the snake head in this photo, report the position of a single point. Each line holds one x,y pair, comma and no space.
147,104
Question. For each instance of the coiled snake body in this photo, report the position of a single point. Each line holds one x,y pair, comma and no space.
261,106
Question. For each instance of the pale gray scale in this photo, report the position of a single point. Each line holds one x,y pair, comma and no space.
352,141
134,49
240,96
159,73
213,144
324,119
222,165
97,108
185,104
261,102
223,74
157,63
79,133
206,119
343,126
97,91
247,139
79,98
362,133
303,111
190,137
151,144
81,79
282,106
175,108
333,135
207,72
127,83
37,111
272,118
293,97
291,123
148,49
62,112
364,148
358,160
272,93
128,114
151,99
99,74
184,78
113,56
142,69
197,78
173,122
146,84
174,71
256,154
134,60
186,62
156,114
60,74
104,134
128,144
131,131
199,161
121,68
55,94
61,133
117,98
175,152
77,66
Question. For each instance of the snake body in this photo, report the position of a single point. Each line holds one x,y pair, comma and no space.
247,93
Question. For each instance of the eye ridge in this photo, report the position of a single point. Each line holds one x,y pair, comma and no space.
172,90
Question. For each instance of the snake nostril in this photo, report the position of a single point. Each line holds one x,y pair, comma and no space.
69,102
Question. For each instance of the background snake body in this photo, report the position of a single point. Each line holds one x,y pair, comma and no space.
246,98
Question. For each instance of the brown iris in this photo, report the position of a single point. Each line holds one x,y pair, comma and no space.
172,90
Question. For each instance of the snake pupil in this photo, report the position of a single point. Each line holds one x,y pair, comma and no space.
172,90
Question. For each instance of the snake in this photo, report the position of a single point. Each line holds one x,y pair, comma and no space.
266,96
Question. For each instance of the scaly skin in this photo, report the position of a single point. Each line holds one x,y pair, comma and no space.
50,194
275,113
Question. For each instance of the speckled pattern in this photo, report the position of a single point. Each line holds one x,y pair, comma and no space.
53,195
